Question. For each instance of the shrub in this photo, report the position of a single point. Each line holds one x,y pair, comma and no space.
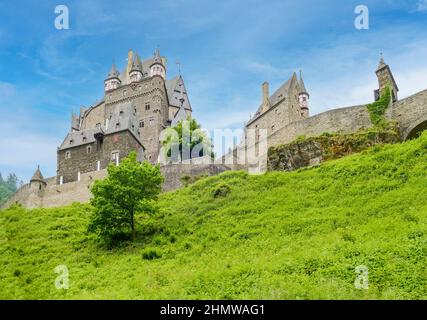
151,254
221,190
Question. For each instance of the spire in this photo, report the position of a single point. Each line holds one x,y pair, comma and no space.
157,58
385,78
137,64
37,175
382,63
302,84
113,72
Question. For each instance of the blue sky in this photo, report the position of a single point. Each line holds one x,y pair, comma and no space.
226,49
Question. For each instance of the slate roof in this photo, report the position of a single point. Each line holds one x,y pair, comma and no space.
37,175
278,95
114,73
123,118
302,84
174,90
137,64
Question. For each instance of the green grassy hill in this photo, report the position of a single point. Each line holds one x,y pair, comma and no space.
297,235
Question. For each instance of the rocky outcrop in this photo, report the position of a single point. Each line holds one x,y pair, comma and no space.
305,152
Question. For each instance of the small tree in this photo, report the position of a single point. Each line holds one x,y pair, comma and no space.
130,187
188,139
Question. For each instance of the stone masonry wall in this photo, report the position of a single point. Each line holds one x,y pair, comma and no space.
83,162
409,113
79,191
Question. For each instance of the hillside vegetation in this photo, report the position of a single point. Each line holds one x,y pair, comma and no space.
282,235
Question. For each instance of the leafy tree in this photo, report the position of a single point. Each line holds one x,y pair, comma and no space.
186,140
131,187
8,186
12,182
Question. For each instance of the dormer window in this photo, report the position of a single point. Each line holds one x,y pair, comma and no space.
121,112
84,139
71,141
117,125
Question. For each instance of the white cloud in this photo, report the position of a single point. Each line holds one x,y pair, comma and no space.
422,5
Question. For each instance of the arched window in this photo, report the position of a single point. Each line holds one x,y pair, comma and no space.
68,155
89,149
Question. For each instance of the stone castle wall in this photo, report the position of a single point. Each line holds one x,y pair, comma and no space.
83,161
409,113
55,195
149,97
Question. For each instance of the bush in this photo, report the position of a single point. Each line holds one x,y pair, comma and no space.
151,254
221,190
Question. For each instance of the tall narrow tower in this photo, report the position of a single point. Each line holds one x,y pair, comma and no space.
136,70
385,78
113,81
303,97
157,68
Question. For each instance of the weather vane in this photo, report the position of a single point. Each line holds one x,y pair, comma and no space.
179,66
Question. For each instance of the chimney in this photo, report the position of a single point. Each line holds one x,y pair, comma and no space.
265,96
265,93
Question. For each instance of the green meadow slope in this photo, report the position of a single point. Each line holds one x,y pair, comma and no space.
297,235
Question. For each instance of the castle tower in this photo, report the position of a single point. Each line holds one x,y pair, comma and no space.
265,97
136,70
303,98
113,81
385,77
37,182
157,68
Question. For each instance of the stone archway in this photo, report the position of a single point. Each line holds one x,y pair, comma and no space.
416,130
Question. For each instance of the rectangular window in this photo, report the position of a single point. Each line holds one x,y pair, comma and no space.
98,165
147,106
141,123
78,176
115,157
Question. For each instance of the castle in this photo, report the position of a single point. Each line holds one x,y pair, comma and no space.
140,102
137,105
290,104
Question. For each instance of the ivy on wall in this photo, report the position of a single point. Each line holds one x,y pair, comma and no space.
378,108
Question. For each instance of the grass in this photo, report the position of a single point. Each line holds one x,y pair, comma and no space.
282,235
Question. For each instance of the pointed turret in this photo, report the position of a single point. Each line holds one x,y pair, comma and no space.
136,69
385,78
113,81
37,182
302,84
303,97
137,64
114,73
37,176
157,67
